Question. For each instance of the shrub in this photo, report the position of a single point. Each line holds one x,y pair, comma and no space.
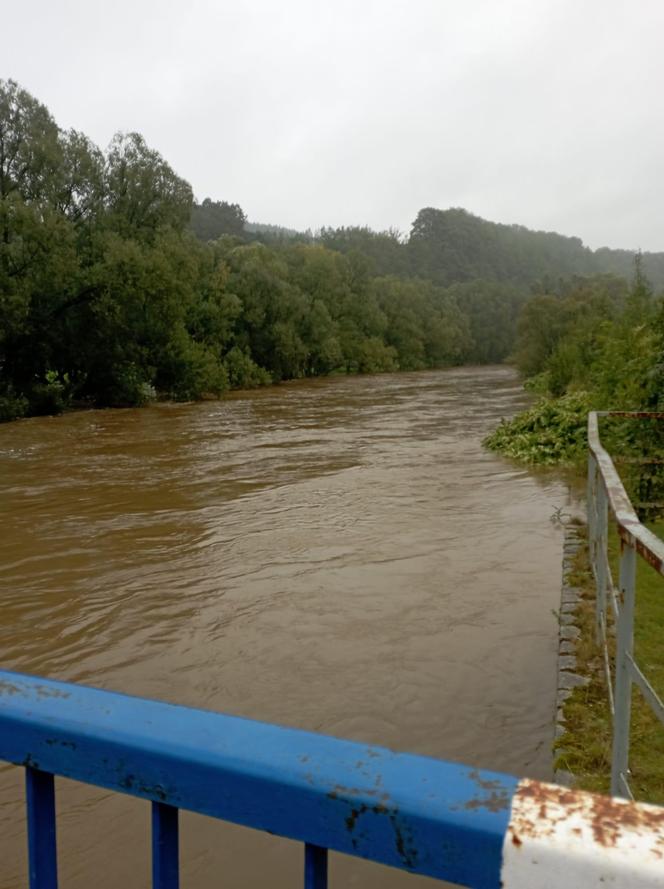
550,432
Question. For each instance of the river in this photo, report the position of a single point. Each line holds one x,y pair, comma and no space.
340,555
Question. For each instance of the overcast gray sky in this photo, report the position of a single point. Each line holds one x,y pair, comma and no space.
548,113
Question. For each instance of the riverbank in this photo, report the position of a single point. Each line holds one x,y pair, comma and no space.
152,397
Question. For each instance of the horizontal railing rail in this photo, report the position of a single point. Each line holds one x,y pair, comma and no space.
475,828
607,496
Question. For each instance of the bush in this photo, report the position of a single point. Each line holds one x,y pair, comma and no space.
243,372
12,406
192,371
128,387
552,431
52,396
376,357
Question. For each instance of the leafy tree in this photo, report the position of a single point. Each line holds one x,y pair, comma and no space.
212,219
142,193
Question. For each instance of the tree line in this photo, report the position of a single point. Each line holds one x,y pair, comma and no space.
116,287
448,247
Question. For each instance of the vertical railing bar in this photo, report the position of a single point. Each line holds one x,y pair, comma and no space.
614,605
592,475
165,847
623,692
315,867
601,553
607,669
42,851
608,575
624,783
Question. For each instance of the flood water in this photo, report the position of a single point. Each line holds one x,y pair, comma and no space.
339,555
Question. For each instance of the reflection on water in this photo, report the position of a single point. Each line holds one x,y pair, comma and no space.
339,555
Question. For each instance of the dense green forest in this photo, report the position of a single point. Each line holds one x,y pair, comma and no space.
116,287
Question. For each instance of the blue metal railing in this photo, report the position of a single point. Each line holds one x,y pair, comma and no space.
475,828
415,813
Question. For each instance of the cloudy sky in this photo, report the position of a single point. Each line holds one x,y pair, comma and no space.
548,113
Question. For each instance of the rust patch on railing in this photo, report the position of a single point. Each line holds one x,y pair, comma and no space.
403,837
540,809
497,797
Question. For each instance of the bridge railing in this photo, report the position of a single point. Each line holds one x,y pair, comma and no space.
474,828
607,497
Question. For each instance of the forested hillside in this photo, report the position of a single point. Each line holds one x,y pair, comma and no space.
452,246
117,288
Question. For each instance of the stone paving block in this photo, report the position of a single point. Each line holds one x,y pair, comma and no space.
568,680
570,633
564,778
571,594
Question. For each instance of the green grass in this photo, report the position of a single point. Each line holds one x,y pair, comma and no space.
585,748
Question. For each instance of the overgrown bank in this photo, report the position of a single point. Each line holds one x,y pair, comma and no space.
594,346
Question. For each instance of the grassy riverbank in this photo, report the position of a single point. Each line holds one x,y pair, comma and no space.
585,748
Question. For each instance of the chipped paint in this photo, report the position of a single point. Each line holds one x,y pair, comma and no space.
496,797
563,837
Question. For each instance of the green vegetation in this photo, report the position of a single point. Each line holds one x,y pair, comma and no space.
551,432
585,748
597,344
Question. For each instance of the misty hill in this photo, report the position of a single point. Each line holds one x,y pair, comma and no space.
447,247
274,231
454,247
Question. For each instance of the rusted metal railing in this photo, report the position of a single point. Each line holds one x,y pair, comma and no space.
607,497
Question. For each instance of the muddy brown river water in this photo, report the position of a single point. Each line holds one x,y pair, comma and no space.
339,555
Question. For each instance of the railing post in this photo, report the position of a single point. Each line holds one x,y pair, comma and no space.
42,855
601,554
591,500
165,847
623,689
315,867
